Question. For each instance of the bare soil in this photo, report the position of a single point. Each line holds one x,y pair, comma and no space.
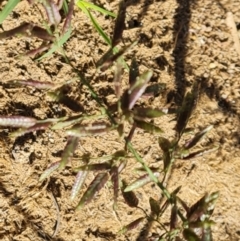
182,41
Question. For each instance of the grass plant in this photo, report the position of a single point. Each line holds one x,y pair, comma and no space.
185,222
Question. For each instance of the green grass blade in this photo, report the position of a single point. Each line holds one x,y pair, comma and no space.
96,8
8,9
148,170
94,22
65,7
57,45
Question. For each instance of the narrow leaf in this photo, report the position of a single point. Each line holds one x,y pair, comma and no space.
39,50
67,23
107,60
197,138
187,156
172,198
131,225
147,126
79,181
88,130
184,205
140,182
68,151
115,180
130,135
122,165
57,44
204,206
81,5
138,88
95,186
17,121
97,8
67,122
155,89
147,113
129,197
164,144
54,166
33,83
11,4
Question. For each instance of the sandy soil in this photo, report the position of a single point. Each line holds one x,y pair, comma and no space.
182,41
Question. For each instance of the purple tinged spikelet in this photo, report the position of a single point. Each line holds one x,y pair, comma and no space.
17,121
79,181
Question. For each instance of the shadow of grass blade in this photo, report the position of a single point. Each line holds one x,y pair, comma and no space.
133,71
115,181
188,105
11,4
119,25
173,217
20,30
42,33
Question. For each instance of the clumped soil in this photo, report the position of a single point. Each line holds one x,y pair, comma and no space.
182,41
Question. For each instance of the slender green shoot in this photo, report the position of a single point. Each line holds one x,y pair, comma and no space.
94,22
57,45
96,8
8,9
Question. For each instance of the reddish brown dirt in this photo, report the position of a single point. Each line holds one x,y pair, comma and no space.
182,41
